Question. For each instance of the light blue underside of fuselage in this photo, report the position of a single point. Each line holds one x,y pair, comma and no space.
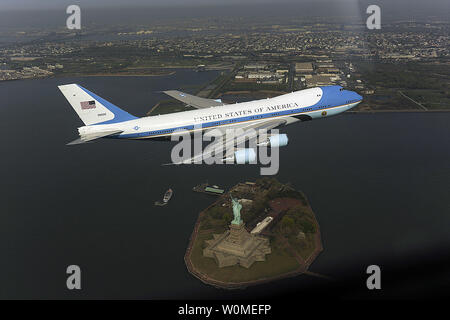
332,97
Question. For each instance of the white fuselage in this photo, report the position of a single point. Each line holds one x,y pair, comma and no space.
300,105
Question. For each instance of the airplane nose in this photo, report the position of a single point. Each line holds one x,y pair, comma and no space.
357,96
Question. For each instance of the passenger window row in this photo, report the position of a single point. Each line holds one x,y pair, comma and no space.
235,120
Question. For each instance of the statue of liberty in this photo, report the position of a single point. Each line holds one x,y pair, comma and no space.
236,211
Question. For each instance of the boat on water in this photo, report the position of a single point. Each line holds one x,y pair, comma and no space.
209,189
167,195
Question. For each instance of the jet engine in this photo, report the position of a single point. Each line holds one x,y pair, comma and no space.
276,141
245,156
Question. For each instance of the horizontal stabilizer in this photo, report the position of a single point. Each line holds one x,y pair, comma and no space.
76,141
93,136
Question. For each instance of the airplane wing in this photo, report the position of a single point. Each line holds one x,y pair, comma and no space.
93,136
194,101
229,144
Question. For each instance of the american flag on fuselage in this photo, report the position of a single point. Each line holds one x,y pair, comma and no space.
87,105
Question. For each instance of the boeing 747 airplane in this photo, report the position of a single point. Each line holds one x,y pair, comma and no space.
103,119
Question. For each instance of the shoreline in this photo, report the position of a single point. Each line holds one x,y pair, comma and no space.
116,75
74,75
225,93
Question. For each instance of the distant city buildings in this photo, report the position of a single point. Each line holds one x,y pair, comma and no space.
299,50
304,68
262,73
318,80
321,72
25,73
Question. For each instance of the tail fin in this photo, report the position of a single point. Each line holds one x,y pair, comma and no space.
91,108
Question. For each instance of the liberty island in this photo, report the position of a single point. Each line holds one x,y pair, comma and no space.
266,232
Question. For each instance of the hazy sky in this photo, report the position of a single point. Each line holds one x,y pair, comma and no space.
103,12
46,4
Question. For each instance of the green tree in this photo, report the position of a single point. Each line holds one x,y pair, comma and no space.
287,221
307,226
287,224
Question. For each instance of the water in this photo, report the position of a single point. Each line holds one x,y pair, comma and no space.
378,183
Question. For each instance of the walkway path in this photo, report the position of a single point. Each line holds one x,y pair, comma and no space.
414,101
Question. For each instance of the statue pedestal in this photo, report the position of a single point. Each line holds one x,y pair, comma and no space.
237,246
238,234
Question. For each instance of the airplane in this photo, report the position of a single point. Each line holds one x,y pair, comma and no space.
103,119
